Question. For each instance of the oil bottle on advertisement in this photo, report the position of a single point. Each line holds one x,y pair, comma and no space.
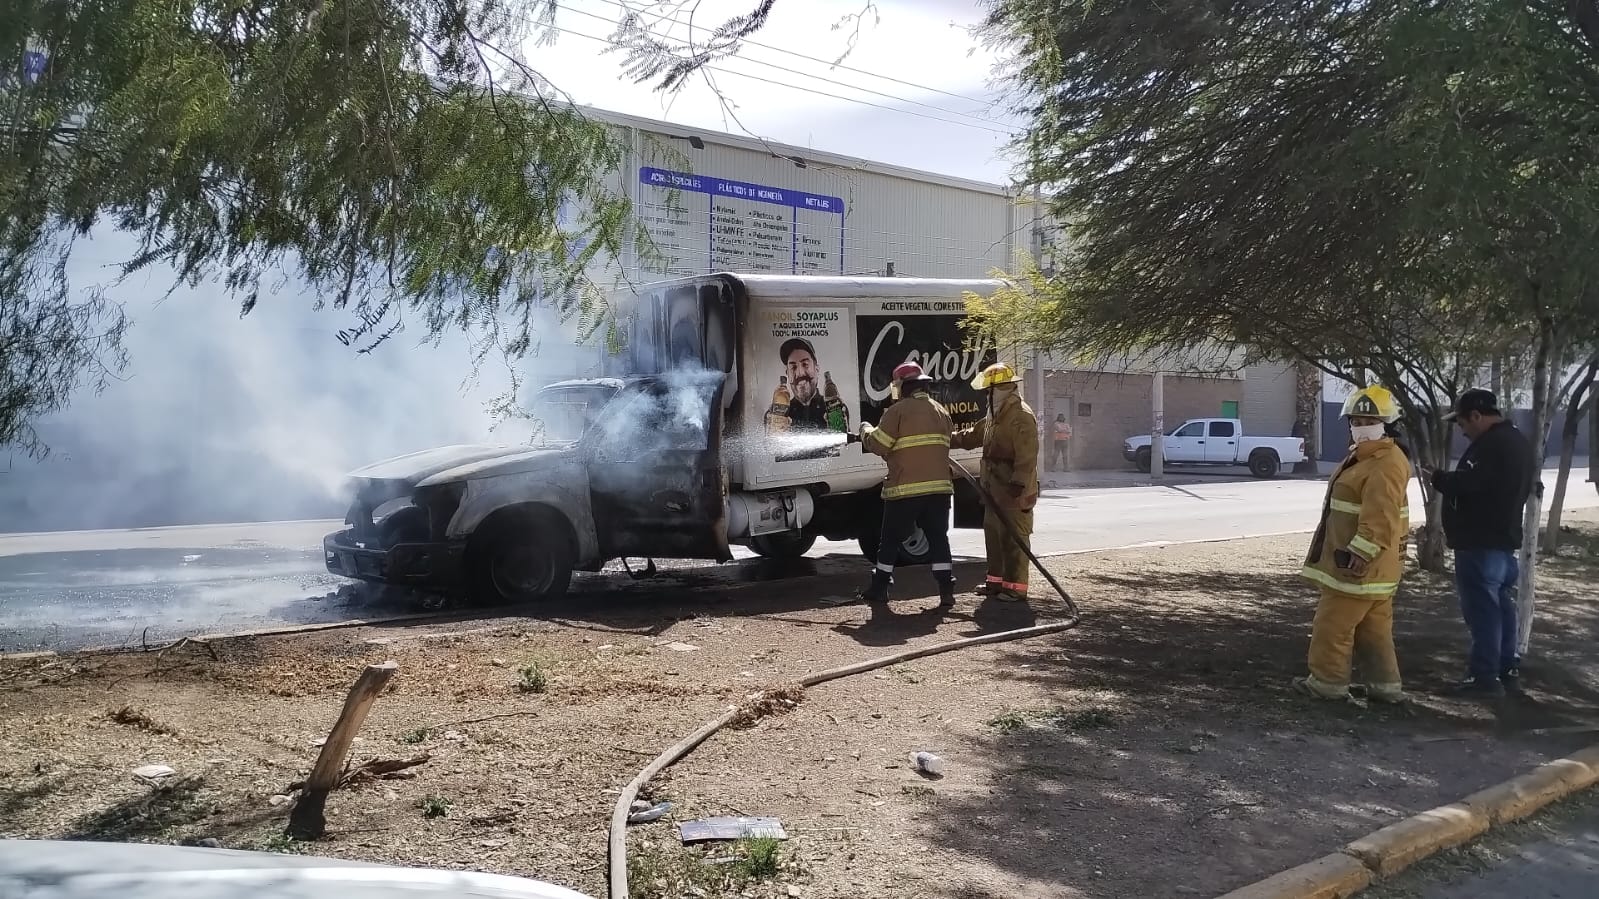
837,412
777,415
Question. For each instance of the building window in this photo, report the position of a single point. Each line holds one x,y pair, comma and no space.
1084,410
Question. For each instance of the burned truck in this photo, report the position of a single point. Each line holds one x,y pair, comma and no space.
722,421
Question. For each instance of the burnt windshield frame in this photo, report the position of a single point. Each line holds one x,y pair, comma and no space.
594,398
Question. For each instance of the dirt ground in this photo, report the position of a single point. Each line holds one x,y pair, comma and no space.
1153,751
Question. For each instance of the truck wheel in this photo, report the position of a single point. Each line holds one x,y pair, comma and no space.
1264,464
914,551
1144,459
786,545
520,558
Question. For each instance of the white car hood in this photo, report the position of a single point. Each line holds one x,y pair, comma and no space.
45,869
456,463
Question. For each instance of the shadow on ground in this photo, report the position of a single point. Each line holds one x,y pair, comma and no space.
1175,740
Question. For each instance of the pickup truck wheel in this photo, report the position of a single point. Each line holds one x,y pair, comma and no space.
517,560
1264,464
914,551
786,545
1144,459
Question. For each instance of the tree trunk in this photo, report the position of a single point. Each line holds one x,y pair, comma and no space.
1431,548
1430,442
1576,408
1307,408
1546,374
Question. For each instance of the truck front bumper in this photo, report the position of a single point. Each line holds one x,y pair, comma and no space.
411,564
1129,454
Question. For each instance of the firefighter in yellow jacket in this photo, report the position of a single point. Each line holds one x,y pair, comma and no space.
913,437
1357,556
1009,438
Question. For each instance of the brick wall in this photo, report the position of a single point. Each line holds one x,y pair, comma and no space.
1120,406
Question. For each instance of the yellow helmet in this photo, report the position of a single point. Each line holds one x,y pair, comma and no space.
1372,402
994,375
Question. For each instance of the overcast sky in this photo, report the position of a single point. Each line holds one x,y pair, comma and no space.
917,91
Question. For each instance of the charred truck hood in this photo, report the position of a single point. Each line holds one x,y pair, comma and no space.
448,464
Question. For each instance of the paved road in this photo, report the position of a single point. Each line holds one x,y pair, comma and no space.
1555,855
126,587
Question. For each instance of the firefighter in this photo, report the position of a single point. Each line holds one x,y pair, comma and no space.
1357,554
913,437
1009,438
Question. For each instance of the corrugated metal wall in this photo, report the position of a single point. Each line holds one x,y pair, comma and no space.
1268,406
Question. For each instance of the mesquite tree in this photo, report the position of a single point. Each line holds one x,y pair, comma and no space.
401,156
1387,189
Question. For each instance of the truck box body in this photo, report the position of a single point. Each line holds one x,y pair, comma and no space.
860,329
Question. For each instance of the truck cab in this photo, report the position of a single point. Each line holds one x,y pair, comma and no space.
723,421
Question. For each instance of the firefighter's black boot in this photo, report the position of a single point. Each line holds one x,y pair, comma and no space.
876,591
946,588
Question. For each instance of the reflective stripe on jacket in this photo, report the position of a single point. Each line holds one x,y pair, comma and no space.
1367,513
913,437
1009,438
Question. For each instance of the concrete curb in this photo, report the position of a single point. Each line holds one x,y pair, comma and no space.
1386,852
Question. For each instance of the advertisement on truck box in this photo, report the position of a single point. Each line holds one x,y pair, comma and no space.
805,362
820,370
929,333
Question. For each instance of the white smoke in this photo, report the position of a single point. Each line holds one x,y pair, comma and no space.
222,418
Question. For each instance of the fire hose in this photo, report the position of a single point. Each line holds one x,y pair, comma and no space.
618,886
1015,535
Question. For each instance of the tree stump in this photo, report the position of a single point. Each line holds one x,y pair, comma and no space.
307,821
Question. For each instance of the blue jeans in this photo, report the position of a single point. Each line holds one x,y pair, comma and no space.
1487,580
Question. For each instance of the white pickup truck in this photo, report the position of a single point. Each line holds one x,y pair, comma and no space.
1217,441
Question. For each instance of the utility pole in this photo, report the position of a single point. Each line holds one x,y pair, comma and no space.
1157,435
1036,245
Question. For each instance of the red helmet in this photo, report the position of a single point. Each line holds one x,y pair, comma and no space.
910,371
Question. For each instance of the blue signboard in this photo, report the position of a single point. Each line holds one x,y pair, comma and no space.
742,190
744,238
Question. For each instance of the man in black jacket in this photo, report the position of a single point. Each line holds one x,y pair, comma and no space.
1484,501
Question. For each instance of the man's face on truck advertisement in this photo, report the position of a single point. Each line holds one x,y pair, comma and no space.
802,375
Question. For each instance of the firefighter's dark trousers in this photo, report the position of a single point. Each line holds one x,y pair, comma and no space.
901,518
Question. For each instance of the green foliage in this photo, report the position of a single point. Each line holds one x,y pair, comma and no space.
419,735
281,843
657,871
1392,191
1089,718
434,806
1009,720
758,858
398,155
532,679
